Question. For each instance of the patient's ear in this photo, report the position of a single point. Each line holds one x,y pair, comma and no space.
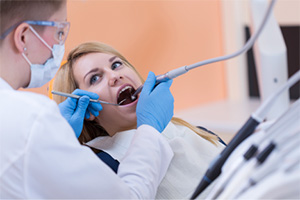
92,118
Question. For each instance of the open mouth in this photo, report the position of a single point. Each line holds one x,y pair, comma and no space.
124,95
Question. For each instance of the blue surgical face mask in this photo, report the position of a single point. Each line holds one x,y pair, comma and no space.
43,73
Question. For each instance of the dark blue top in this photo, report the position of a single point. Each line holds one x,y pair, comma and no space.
220,140
110,161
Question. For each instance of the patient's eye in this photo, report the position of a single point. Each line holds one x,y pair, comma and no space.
116,64
94,79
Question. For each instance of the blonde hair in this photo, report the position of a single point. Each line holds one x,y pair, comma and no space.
65,82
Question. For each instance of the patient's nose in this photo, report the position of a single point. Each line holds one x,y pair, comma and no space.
114,78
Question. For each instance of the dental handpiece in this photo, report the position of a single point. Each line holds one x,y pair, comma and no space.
77,97
162,78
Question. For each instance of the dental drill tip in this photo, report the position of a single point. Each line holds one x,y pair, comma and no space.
133,98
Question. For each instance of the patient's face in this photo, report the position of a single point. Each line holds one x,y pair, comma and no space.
113,81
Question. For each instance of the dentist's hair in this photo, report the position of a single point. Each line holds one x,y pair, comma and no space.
65,82
16,11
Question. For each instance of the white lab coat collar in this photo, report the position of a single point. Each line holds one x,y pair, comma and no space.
4,85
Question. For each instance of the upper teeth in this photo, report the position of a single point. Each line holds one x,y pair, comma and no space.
125,88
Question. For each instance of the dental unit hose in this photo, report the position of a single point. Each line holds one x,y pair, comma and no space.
215,169
182,70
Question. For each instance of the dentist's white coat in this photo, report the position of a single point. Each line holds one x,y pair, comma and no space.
40,157
192,156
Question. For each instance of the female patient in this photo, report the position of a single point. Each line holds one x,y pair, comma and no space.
98,68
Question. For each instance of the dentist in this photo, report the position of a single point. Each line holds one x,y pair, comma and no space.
40,156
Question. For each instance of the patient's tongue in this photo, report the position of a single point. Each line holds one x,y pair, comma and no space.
125,97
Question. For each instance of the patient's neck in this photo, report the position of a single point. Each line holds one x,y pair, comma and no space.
113,130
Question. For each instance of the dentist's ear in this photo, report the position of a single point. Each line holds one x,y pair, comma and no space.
20,37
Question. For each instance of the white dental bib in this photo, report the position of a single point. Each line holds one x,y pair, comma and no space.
192,156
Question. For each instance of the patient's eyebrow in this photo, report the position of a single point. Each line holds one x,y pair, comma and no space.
112,58
91,71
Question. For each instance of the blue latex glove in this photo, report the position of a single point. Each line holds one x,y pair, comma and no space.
75,110
155,106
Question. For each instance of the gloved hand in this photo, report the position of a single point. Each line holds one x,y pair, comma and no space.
155,106
74,110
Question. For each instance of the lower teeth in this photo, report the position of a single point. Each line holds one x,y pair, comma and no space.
121,101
